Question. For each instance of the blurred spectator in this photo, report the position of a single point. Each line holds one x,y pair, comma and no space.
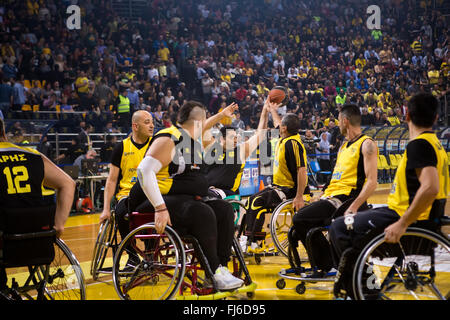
83,136
322,51
323,147
237,122
45,147
310,141
90,154
107,148
19,97
123,110
75,150
6,97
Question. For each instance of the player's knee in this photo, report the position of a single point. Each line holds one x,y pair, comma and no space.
202,213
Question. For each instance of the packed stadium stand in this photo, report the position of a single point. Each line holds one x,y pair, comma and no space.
57,82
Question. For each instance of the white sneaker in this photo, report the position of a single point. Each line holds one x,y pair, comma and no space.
243,243
225,280
254,246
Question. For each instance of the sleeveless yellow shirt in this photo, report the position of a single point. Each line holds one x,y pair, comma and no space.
348,175
131,157
406,182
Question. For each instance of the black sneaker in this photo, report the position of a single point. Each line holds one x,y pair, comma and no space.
317,274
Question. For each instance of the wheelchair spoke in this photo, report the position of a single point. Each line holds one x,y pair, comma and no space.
436,291
416,268
148,265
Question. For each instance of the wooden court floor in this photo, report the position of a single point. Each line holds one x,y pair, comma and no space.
81,232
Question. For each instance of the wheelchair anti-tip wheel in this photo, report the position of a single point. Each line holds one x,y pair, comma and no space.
148,265
281,284
418,267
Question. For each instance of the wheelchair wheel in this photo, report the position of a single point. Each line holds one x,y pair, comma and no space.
65,279
416,268
104,241
280,223
149,266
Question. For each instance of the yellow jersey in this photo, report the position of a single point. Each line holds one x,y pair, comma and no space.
348,175
132,155
290,154
423,151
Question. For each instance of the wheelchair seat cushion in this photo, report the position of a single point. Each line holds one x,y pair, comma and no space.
27,236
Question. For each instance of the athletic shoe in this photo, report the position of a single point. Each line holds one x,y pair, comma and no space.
225,280
243,243
255,248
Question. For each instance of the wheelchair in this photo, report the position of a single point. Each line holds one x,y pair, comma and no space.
39,265
416,268
274,242
300,255
152,266
106,239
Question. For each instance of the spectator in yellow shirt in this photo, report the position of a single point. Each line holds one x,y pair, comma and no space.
445,68
433,75
392,118
383,106
82,83
385,97
163,53
32,7
360,62
261,88
358,42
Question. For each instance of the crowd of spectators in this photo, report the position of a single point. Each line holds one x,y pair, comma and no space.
221,52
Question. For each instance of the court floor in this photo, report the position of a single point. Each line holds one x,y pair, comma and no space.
81,233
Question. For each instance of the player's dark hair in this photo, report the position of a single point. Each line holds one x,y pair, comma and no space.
186,109
423,109
291,122
223,130
352,113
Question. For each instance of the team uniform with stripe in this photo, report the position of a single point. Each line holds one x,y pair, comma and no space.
290,155
126,156
21,177
227,173
348,175
425,150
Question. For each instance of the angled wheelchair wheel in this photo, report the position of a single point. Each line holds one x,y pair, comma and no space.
65,277
280,223
416,268
149,266
105,237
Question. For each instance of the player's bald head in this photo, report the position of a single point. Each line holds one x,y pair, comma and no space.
140,115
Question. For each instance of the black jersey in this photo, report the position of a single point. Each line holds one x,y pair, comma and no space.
226,174
185,173
21,176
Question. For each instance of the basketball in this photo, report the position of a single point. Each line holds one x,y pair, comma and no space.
278,95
